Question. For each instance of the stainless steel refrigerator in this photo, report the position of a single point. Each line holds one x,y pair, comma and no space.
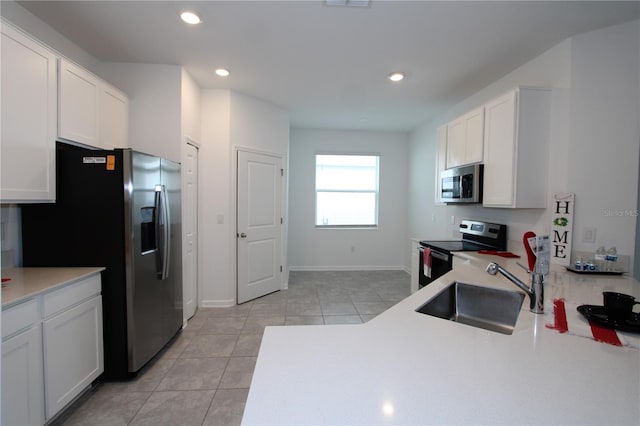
119,209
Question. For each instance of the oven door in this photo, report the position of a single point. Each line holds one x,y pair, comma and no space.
441,263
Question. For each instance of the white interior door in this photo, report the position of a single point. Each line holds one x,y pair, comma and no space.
190,226
259,224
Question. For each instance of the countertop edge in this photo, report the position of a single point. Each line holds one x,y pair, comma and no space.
30,282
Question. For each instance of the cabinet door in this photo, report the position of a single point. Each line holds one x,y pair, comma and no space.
500,151
441,160
73,353
28,105
114,118
22,379
79,97
456,141
465,137
474,122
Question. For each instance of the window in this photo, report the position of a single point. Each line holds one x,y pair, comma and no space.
347,190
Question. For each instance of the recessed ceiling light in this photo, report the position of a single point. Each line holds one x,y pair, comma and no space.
190,17
395,76
222,72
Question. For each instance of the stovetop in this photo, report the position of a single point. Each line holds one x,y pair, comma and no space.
454,245
476,235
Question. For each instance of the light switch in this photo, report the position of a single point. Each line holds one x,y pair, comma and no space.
589,235
220,219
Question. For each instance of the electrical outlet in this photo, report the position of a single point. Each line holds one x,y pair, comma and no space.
588,235
453,220
433,217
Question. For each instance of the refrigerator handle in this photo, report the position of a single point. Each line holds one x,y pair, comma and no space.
167,234
163,222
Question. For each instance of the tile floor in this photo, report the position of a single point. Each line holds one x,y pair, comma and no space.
203,376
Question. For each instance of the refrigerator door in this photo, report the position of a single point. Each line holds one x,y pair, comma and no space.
172,286
144,299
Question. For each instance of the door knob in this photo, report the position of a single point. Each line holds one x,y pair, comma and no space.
243,235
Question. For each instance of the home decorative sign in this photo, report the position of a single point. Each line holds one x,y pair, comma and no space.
562,228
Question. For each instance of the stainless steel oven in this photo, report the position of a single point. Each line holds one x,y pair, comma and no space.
436,257
441,262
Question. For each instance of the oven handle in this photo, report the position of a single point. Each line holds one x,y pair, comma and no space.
436,254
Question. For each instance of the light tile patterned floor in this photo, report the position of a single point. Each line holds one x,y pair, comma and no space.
203,376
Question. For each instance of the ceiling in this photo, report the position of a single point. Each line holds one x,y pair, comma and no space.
327,65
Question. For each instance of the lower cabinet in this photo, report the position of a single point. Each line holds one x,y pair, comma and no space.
22,378
74,356
415,265
52,349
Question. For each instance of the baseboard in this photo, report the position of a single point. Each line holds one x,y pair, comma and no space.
348,268
217,303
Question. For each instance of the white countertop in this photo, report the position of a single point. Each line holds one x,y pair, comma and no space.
404,367
28,282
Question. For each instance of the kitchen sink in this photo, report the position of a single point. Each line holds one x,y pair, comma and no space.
488,308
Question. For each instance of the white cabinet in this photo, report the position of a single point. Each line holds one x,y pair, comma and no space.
72,340
28,105
91,111
441,160
465,139
22,374
52,350
114,118
516,149
74,356
79,97
415,266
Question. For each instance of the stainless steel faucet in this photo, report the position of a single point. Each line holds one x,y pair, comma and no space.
535,292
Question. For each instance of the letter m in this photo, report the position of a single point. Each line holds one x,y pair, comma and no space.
560,238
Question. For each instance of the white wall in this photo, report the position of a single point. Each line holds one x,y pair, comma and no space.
214,247
229,120
594,141
190,107
155,101
334,249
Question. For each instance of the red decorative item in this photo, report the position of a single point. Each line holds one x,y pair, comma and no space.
530,254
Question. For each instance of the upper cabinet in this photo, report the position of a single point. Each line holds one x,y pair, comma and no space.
516,149
113,124
91,111
29,101
465,139
44,98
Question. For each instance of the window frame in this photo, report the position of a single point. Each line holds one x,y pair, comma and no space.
376,192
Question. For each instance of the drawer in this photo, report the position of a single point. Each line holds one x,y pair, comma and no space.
70,295
19,317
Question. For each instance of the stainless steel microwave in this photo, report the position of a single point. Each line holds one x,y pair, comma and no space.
462,184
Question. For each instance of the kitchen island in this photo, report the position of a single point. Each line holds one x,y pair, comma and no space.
404,367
